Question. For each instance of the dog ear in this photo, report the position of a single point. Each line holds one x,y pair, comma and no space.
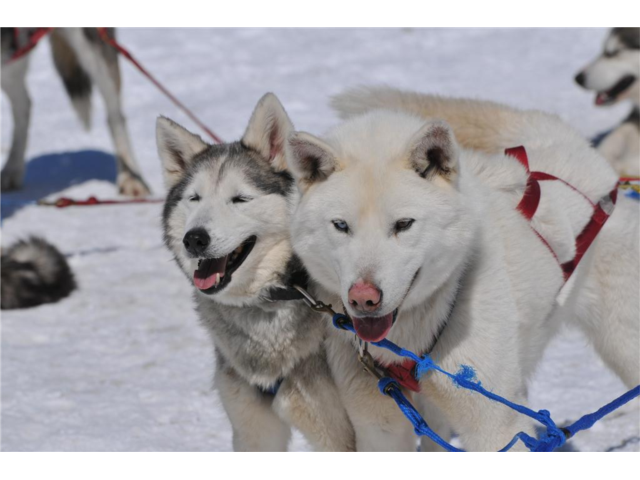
176,148
268,130
310,159
434,151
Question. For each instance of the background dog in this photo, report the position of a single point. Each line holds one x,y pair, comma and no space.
82,58
613,75
34,272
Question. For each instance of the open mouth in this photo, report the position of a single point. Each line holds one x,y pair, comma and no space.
213,274
610,96
374,329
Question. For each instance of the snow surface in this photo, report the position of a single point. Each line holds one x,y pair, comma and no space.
123,363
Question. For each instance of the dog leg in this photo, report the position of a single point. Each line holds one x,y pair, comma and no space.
438,423
620,148
379,424
256,427
309,400
13,84
100,61
605,306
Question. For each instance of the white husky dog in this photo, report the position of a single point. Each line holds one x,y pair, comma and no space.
420,240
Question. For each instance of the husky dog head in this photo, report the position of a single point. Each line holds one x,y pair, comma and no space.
381,221
613,75
226,217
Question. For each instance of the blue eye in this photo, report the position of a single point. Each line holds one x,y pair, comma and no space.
240,199
404,224
340,225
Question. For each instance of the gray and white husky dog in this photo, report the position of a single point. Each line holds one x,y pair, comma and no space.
226,221
613,75
33,272
82,59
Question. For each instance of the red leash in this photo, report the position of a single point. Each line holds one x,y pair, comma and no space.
112,41
64,202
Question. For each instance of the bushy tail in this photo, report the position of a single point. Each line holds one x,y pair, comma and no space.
76,81
477,124
34,272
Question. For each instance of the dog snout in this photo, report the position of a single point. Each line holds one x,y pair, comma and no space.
580,79
196,241
364,297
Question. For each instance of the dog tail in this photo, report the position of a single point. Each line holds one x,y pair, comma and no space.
34,272
477,124
76,81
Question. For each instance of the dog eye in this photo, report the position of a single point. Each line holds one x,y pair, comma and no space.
194,198
611,53
240,199
404,224
340,225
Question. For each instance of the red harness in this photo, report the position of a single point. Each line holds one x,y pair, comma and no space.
32,41
404,373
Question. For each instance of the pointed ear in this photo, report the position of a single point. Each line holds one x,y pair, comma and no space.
310,159
434,151
176,148
268,130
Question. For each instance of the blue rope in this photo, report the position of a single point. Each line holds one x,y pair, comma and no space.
551,440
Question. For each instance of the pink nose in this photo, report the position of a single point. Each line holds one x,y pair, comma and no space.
364,296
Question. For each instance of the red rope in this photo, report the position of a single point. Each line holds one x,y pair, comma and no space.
64,202
112,41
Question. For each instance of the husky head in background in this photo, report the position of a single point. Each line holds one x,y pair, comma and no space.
613,75
226,218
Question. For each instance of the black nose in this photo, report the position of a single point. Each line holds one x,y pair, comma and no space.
196,241
580,79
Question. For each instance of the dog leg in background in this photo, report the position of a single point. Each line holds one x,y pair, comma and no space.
256,427
438,423
100,61
13,84
308,398
621,149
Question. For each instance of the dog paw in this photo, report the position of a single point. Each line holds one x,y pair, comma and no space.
132,186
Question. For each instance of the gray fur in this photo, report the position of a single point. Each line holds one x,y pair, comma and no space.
629,36
34,272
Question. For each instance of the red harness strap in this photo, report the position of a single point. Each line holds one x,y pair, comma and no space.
35,37
404,374
531,199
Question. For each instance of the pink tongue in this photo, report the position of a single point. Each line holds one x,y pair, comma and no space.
373,329
205,276
601,98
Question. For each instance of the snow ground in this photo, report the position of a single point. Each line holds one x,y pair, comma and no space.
123,364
